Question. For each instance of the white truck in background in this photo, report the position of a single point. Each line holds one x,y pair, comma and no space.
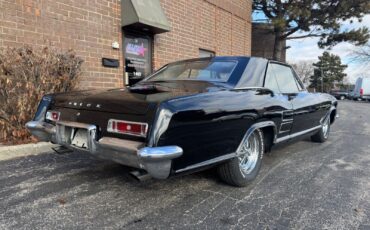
362,89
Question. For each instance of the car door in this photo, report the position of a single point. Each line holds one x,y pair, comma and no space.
285,123
305,104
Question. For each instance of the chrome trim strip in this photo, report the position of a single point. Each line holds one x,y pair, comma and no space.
281,139
207,162
251,87
285,123
327,115
262,124
76,125
163,118
285,131
287,113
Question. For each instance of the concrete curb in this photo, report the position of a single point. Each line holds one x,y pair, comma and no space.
15,151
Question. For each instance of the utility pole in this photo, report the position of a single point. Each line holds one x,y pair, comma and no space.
322,80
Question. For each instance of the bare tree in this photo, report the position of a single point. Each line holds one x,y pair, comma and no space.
362,54
304,69
297,19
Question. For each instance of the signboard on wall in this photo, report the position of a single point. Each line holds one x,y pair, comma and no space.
137,53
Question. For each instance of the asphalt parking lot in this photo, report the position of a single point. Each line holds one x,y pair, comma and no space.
302,186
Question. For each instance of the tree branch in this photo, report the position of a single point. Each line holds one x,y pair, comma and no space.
292,31
304,36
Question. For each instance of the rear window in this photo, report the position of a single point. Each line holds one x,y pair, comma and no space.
203,70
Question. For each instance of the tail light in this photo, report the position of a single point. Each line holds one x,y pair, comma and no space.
127,127
52,115
361,92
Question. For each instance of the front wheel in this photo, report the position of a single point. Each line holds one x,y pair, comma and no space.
323,134
244,168
342,98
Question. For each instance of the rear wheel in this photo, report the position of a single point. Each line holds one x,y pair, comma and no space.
245,167
323,134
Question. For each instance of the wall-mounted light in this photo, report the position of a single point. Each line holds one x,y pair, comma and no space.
115,45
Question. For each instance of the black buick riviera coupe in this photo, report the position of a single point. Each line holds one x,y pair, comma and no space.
190,115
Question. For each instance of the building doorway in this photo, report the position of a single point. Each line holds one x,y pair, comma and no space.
137,51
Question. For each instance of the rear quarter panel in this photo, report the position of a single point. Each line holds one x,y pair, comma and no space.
210,125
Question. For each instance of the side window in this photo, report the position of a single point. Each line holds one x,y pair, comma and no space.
270,80
285,79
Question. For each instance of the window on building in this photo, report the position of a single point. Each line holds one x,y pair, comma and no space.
206,53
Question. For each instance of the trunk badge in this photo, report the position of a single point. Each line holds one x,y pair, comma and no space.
98,106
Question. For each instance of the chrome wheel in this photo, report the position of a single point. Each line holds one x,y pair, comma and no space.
248,153
325,128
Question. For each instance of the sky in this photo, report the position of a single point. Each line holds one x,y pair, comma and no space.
307,50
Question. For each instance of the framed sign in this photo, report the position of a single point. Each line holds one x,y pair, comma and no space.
137,50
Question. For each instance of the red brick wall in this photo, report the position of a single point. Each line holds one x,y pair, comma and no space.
89,27
222,26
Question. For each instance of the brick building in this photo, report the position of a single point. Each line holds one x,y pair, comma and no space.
103,29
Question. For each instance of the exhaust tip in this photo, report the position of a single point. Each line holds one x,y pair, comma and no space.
140,175
61,150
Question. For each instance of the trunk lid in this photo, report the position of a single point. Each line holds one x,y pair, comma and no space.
134,100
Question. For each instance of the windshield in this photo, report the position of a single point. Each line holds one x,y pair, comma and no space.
202,70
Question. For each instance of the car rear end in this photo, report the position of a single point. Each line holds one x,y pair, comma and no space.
125,125
117,129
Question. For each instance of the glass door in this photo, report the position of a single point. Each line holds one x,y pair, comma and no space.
137,50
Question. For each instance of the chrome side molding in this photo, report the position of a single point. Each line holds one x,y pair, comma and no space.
208,162
285,138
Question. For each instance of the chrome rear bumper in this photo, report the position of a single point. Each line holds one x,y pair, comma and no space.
155,160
